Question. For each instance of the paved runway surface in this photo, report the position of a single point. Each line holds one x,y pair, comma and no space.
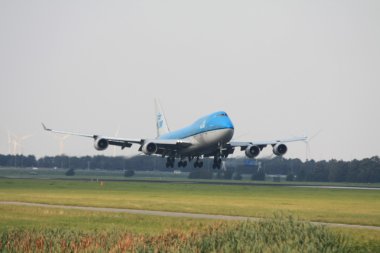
337,187
375,188
171,214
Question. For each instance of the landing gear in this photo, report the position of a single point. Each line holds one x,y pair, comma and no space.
217,163
198,163
182,163
170,162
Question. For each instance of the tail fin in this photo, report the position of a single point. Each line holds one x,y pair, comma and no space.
161,124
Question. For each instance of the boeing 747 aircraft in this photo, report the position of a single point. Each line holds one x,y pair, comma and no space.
209,136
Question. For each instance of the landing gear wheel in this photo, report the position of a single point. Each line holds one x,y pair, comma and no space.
217,163
198,163
182,163
170,162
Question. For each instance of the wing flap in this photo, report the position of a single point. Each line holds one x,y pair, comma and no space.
265,143
172,142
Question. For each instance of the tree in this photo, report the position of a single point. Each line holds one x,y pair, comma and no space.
362,171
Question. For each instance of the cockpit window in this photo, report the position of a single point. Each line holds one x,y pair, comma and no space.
222,115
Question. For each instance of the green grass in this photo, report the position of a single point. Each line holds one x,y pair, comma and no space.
328,205
35,228
363,238
39,218
278,234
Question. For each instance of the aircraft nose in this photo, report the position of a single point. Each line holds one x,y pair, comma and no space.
228,134
228,123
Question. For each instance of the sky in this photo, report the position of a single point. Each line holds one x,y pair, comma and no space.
278,68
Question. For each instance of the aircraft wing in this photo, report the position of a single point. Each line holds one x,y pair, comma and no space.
244,144
167,147
164,146
122,142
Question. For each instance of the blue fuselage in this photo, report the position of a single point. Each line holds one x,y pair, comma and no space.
207,133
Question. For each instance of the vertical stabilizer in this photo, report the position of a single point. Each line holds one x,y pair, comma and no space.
161,124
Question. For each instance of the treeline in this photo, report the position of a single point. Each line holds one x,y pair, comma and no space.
364,171
84,162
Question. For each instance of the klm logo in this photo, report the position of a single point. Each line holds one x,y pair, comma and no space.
160,122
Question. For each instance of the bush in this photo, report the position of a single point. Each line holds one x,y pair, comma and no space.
290,177
70,172
129,173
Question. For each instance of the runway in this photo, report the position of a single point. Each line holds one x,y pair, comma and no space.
337,187
172,214
165,181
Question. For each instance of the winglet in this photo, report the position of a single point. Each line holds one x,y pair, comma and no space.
45,128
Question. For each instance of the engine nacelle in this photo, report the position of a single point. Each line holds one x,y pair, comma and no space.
149,148
252,151
280,149
100,144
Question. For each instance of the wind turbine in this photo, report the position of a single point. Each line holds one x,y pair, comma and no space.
15,142
61,142
307,143
9,143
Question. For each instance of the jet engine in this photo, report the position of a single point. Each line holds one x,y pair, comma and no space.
280,149
149,148
100,144
252,151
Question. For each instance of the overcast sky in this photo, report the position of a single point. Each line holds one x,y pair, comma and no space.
278,68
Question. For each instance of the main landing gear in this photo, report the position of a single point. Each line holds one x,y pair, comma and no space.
170,161
182,163
198,163
217,162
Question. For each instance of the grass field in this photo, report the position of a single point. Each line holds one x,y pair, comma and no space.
35,229
328,205
278,234
331,205
23,217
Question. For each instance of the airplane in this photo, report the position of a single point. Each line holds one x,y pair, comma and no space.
209,136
